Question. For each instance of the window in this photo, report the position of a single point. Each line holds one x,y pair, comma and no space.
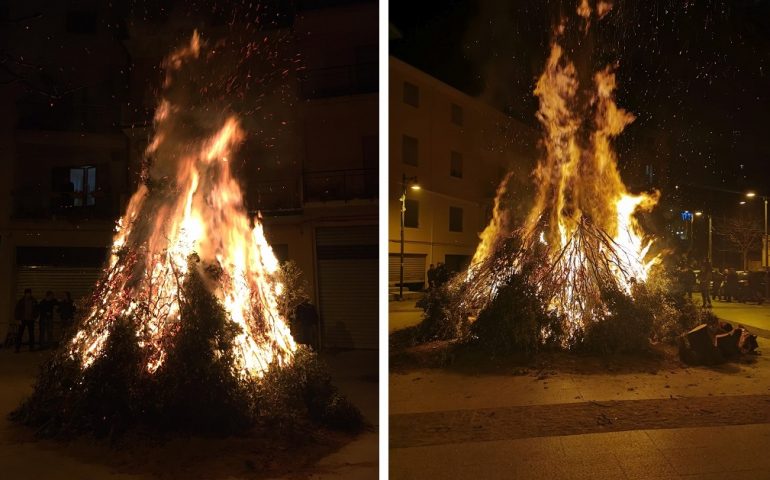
76,185
83,180
456,164
457,115
409,149
412,214
455,219
411,94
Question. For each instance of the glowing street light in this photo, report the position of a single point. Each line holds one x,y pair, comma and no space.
410,182
767,260
692,220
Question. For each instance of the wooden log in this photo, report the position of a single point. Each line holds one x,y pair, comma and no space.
701,344
727,343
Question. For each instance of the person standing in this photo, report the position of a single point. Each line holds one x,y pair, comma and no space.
705,284
431,277
25,313
718,280
689,281
731,285
307,320
47,307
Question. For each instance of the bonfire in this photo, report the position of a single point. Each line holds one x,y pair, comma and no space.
581,240
184,328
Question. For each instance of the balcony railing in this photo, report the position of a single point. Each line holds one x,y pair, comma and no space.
345,185
339,81
276,196
34,204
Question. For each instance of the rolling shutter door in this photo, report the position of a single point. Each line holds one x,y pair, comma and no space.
79,281
414,268
348,286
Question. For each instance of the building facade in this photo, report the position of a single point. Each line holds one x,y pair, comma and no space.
74,167
457,149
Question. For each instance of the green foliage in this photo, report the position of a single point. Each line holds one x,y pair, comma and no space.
100,400
304,389
625,327
513,321
295,288
443,318
197,389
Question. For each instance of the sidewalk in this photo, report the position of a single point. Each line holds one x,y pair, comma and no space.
403,314
648,423
735,452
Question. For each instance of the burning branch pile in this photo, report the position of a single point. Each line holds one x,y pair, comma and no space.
184,329
581,248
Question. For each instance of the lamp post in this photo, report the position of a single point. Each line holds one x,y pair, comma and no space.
698,214
767,267
405,182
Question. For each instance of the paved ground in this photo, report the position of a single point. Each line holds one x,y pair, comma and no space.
23,458
704,423
402,315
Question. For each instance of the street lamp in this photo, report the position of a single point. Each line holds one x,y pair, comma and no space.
767,270
406,182
698,214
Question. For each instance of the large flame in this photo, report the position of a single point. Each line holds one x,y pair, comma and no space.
197,208
583,214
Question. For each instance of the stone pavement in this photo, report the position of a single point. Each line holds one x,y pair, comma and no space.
708,453
703,422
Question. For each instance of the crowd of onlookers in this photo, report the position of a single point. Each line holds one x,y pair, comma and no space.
726,285
438,275
30,313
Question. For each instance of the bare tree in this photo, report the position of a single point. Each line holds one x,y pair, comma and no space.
744,234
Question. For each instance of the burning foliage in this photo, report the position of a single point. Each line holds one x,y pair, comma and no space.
185,330
577,272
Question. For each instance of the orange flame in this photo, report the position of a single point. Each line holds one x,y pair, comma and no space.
199,210
578,183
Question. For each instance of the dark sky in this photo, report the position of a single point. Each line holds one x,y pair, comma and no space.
696,75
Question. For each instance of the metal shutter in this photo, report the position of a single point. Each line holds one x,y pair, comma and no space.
347,283
79,281
414,268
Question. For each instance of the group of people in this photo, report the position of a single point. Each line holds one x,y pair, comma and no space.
437,275
29,311
712,284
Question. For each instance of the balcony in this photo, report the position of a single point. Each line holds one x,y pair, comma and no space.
31,203
275,198
340,185
339,81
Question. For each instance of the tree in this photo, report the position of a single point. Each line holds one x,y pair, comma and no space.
744,233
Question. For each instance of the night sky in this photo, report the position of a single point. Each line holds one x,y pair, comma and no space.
696,75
